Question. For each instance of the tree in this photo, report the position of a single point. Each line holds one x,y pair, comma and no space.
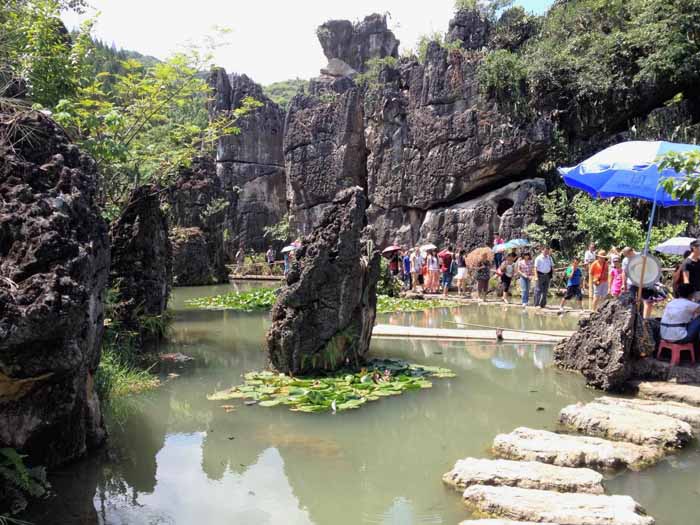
687,164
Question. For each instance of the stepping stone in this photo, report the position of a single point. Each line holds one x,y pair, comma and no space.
689,394
523,474
502,522
687,413
625,424
544,506
565,450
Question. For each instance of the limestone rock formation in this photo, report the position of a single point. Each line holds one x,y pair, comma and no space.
564,450
54,265
523,474
355,44
622,423
606,345
507,211
469,27
191,265
141,271
499,521
250,165
555,507
323,318
324,149
200,209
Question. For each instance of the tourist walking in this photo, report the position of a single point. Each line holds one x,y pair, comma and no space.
240,258
589,257
506,272
627,254
680,322
691,269
599,275
461,272
416,268
406,266
616,277
446,260
574,278
544,266
433,264
524,270
483,276
497,256
270,258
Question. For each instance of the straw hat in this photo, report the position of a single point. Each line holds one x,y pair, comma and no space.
602,253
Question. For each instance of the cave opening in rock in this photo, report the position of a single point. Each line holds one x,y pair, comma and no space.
503,206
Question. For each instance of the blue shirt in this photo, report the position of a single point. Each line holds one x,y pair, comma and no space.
574,277
406,264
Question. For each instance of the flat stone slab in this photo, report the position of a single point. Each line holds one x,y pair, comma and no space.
543,506
689,394
565,450
523,474
687,413
620,423
502,522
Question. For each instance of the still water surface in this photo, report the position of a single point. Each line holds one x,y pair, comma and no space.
179,459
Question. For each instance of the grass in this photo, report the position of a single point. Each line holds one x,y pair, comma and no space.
121,371
250,301
343,390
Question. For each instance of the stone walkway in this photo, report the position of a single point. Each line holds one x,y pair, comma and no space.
509,336
551,478
551,309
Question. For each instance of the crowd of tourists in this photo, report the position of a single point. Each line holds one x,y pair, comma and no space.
604,273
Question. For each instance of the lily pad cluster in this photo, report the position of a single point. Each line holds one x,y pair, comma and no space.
387,305
250,301
264,298
344,390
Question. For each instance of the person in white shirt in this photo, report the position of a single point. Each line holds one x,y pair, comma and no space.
544,266
589,256
416,267
680,322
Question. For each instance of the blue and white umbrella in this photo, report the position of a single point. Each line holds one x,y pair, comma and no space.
517,243
629,169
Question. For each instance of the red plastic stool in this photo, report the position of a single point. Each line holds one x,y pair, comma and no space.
676,349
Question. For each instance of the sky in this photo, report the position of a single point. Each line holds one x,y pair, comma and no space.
270,40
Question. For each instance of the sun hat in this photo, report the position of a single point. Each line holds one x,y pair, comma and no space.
602,253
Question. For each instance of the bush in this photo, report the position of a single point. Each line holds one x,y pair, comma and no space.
502,75
388,284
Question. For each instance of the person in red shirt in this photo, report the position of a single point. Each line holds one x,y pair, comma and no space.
446,257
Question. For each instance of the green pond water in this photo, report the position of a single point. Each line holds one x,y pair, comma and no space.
176,458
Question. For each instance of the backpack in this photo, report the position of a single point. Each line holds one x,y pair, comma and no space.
454,268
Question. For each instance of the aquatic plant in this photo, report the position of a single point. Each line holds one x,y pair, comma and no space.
343,390
387,305
250,301
18,482
264,298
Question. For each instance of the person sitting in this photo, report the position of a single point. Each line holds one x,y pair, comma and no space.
680,322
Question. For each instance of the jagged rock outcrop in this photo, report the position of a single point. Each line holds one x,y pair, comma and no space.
355,44
606,345
191,264
250,164
420,138
323,318
470,27
473,223
141,271
200,211
433,138
324,149
54,266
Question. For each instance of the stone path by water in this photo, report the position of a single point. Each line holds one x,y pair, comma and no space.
549,478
